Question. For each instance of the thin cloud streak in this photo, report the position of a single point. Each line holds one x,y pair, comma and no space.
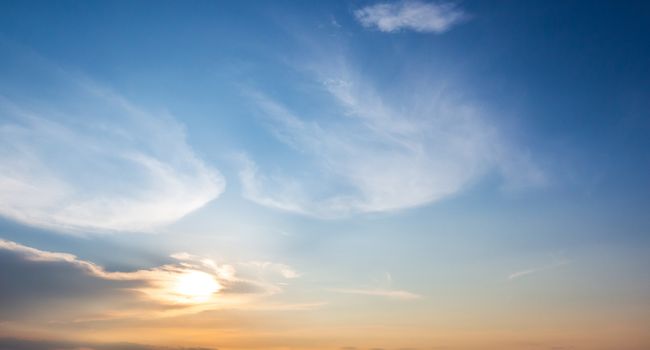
411,15
385,293
526,272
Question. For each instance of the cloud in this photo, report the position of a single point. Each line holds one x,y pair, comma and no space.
91,160
52,286
411,15
557,263
47,286
38,344
383,290
373,152
284,270
385,293
255,185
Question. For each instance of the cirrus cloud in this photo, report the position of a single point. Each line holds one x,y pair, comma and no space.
91,160
377,153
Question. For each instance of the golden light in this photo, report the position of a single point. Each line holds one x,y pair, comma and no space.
195,286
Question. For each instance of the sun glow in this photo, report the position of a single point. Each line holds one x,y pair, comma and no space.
195,286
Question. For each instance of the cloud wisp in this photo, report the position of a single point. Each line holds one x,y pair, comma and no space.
522,273
378,153
91,160
385,293
410,15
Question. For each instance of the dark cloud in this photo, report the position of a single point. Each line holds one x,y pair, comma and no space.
51,287
44,287
28,286
31,344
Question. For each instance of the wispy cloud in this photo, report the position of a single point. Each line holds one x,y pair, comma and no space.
411,15
91,160
255,187
379,153
385,293
558,262
383,288
282,269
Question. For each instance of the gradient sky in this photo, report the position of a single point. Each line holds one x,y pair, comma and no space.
347,175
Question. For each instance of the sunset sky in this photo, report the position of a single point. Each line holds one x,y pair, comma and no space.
333,175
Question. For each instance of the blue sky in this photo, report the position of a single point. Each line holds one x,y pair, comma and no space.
422,167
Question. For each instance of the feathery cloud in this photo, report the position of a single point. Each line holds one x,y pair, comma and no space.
382,154
93,161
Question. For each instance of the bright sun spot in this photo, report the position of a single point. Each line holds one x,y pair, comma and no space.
196,286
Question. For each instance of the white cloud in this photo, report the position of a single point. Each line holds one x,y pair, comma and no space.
382,153
93,161
412,15
283,270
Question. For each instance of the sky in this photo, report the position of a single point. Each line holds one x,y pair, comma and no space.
345,175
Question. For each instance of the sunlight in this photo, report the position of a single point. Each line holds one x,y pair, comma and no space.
195,286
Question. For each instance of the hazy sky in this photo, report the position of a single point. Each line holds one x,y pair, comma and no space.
347,175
